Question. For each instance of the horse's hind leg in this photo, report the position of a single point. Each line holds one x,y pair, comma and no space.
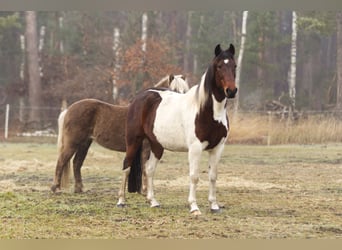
62,162
150,168
145,154
131,151
80,155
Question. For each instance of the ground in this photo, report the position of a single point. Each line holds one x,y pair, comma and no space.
268,192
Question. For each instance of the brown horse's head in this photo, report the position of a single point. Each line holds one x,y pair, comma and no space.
224,70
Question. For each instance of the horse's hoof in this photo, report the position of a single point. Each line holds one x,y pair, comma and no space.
216,211
154,203
155,206
196,213
55,189
120,205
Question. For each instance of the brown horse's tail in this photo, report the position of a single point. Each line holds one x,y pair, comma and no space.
135,174
66,170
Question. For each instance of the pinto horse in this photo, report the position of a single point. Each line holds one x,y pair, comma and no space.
91,120
195,121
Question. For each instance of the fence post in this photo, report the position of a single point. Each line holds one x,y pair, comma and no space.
6,120
269,128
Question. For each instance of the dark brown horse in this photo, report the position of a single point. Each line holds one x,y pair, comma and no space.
91,120
196,121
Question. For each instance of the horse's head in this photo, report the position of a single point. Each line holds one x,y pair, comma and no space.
224,70
178,83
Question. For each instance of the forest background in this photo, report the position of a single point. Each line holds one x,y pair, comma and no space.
54,58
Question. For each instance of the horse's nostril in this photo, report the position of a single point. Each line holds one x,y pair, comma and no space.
231,93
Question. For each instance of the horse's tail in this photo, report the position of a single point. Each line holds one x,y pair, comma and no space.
135,174
66,170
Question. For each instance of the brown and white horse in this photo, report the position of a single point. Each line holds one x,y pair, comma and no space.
195,121
91,120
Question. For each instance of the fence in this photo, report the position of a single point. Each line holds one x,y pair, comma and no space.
14,121
257,127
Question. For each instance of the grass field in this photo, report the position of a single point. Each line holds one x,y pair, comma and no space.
274,192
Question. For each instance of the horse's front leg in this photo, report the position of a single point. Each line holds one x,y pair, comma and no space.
195,152
214,157
151,165
122,191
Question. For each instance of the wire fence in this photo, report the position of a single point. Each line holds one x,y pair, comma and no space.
258,126
14,121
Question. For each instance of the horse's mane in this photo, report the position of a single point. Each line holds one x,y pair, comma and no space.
203,88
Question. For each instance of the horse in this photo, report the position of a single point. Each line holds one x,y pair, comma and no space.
195,121
91,120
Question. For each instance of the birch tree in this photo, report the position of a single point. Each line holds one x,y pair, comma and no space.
239,61
187,43
22,78
33,67
339,60
144,32
292,71
116,40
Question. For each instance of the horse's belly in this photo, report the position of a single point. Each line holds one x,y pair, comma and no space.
174,122
170,137
169,131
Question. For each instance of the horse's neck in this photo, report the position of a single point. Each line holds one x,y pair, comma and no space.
205,99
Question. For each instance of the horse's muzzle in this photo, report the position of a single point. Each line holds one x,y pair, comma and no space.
231,93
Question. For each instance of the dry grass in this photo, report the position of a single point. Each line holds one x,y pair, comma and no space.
269,192
262,129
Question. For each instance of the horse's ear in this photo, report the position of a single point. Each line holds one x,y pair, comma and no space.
171,77
218,49
183,77
231,49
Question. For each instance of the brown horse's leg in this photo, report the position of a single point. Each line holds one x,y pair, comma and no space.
63,159
131,151
80,155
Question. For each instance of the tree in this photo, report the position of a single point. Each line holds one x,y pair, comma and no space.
240,56
339,60
316,56
292,71
33,68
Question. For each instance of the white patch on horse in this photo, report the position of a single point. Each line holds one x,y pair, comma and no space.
220,111
226,61
170,125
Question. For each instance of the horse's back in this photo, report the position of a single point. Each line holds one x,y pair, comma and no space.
95,119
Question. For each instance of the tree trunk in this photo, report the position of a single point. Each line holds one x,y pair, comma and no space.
33,68
186,58
292,71
261,58
116,66
239,61
22,79
339,60
144,32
